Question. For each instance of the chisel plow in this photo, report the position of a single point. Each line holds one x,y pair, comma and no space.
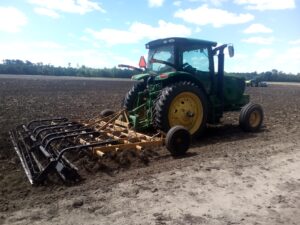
43,146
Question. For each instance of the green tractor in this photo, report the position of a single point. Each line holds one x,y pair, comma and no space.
179,86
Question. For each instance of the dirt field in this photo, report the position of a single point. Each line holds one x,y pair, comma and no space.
228,177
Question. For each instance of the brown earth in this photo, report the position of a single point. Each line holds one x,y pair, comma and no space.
227,177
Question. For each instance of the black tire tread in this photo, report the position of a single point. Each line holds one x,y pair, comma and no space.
245,114
174,148
131,96
106,112
160,118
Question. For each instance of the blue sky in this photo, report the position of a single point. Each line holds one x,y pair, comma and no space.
104,33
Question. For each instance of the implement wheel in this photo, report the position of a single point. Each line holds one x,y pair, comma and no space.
178,140
251,117
131,99
183,104
106,112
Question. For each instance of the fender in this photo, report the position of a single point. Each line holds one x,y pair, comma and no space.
168,75
140,76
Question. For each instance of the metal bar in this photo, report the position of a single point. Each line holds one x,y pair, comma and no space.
33,164
47,120
52,127
49,126
24,165
129,145
45,152
39,165
77,147
68,136
63,132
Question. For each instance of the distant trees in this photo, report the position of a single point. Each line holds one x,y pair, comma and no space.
16,66
273,75
11,66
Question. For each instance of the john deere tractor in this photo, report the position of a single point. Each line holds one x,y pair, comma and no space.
180,86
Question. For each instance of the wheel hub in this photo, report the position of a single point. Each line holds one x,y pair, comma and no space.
186,109
190,114
254,119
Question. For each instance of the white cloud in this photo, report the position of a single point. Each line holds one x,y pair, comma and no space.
139,31
155,3
267,4
295,42
52,7
259,40
177,3
257,28
288,61
197,30
216,17
264,53
84,38
215,2
55,54
46,12
11,19
267,59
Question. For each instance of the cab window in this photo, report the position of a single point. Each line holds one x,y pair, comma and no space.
196,58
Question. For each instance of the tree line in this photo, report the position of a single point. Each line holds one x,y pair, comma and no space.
28,68
273,75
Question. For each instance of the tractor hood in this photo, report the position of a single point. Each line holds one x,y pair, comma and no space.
162,76
140,76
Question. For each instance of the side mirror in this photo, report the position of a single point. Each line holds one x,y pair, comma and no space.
142,63
231,50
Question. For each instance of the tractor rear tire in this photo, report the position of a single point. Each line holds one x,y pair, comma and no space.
251,117
130,100
106,112
184,104
178,140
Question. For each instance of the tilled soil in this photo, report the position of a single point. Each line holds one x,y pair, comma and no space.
227,177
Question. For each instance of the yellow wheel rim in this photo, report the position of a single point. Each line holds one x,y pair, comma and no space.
186,109
255,118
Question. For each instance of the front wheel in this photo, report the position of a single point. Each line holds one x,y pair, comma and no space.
251,117
131,99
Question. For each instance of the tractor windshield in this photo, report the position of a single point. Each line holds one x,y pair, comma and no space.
163,53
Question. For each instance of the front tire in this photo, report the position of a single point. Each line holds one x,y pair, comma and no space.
131,99
183,104
251,117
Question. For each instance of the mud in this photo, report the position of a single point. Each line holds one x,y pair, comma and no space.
227,177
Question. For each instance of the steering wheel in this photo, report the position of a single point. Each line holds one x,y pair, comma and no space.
188,67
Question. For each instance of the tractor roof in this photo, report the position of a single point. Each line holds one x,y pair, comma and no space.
179,40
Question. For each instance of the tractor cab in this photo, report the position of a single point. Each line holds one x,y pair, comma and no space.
180,54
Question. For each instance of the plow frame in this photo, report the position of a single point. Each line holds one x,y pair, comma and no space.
47,139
